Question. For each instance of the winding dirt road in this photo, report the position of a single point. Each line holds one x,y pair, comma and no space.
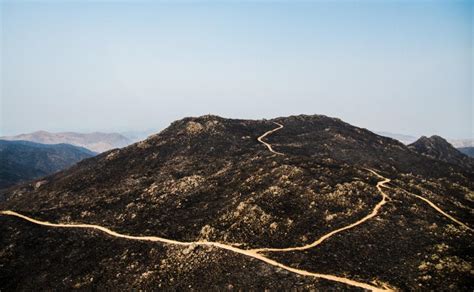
432,205
248,253
372,214
260,139
256,253
253,253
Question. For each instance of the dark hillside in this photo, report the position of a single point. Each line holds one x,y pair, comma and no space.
23,161
210,179
438,148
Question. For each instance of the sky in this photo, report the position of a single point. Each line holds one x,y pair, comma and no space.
396,66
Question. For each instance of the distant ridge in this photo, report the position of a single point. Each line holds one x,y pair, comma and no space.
463,145
96,141
437,147
469,151
23,160
405,139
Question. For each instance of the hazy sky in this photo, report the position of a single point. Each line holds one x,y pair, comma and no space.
403,67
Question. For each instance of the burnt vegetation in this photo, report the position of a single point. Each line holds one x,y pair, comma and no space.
208,178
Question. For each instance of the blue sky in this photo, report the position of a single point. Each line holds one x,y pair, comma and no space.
398,66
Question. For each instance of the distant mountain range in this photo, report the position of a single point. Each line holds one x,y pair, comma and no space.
97,142
23,160
405,139
136,136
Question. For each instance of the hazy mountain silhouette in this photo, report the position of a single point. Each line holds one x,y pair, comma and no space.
97,142
405,139
23,161
469,151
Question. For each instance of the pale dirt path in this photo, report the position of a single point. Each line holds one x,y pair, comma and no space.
372,214
280,126
255,253
248,253
438,209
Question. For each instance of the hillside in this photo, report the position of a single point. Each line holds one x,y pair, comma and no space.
23,161
300,202
97,142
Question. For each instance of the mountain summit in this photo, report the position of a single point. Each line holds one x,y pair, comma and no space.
300,202
437,147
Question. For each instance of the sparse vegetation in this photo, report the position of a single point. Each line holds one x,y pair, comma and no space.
206,182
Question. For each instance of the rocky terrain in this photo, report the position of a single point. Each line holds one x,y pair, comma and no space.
23,161
96,142
438,148
390,218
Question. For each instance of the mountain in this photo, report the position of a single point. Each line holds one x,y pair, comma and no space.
437,147
405,139
300,202
97,142
23,161
469,151
408,139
